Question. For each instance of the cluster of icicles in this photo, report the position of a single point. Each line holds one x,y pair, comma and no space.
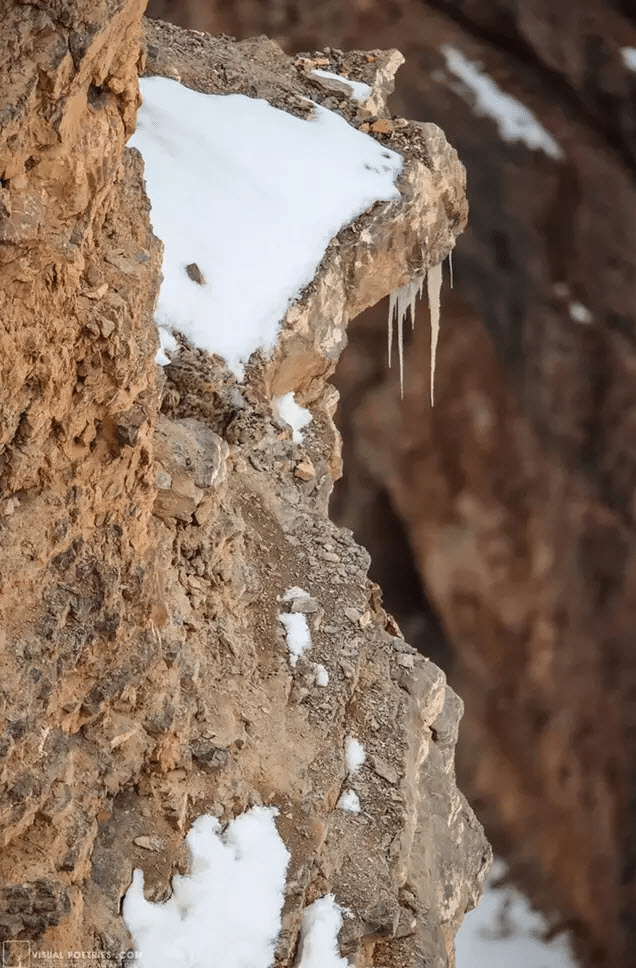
404,299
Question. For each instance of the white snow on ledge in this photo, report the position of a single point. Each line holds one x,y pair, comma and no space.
246,198
296,416
355,754
318,946
359,90
349,801
513,119
226,912
298,634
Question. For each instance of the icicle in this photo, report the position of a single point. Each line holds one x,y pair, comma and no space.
400,302
434,290
413,294
391,314
400,323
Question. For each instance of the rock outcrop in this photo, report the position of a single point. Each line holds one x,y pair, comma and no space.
516,495
151,521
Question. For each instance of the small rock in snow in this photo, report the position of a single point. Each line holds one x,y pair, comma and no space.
195,273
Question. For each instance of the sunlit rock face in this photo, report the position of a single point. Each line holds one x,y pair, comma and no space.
156,526
515,495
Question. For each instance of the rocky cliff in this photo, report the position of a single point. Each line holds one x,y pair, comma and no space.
516,495
152,519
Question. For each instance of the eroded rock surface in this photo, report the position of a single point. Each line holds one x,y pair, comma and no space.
152,521
516,494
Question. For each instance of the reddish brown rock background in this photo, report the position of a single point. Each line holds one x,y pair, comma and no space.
516,494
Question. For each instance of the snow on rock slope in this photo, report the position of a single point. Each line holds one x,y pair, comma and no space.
251,196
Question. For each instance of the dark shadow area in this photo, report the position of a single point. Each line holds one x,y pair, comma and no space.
392,566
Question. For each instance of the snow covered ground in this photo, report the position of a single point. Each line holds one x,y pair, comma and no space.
246,199
297,417
504,932
359,91
227,912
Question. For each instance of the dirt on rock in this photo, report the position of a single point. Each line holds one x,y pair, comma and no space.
152,520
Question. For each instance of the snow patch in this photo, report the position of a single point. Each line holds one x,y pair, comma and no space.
503,931
580,313
167,344
629,57
297,417
246,198
227,910
321,674
293,593
321,923
298,635
349,801
355,754
359,91
514,121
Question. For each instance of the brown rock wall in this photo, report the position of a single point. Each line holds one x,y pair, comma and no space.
150,522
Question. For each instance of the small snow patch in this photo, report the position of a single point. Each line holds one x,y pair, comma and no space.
298,636
580,313
355,754
359,91
252,196
513,119
321,674
297,417
629,57
227,911
293,593
167,344
349,801
321,923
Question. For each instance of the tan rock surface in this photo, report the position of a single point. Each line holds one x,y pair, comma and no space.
516,496
146,678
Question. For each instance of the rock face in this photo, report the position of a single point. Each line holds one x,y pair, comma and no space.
516,495
152,521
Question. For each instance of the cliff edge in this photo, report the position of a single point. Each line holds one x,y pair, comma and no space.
156,526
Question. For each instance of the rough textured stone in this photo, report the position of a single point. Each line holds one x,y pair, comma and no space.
516,494
146,677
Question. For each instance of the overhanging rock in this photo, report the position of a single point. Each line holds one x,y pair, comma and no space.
147,554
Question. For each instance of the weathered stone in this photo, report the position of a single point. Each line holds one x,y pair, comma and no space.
517,494
29,909
145,556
